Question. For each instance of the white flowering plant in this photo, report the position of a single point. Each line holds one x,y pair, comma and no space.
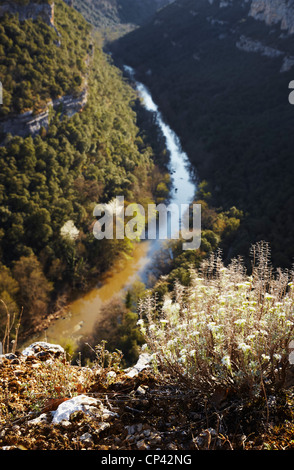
227,329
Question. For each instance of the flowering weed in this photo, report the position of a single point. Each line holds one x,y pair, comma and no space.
227,329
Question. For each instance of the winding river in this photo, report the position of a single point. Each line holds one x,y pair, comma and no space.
81,315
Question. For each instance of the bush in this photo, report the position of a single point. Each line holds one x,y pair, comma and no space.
227,329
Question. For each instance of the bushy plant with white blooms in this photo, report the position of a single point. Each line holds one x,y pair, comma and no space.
228,328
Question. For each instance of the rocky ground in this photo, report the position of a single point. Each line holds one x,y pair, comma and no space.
49,404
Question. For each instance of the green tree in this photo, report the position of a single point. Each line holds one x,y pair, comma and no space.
8,293
34,288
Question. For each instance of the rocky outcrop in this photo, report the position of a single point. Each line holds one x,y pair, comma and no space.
288,63
31,11
48,403
29,124
251,45
71,105
274,12
25,124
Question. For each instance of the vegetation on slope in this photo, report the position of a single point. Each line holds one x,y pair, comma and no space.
230,109
39,63
60,175
117,17
226,329
216,377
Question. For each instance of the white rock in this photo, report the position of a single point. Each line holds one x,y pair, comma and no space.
142,445
86,437
39,420
111,374
142,363
34,348
79,403
83,403
103,427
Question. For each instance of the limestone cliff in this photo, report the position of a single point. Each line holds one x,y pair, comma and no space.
274,12
30,11
30,124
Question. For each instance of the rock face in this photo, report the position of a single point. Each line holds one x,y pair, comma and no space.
30,11
29,124
273,12
270,11
25,124
88,405
41,346
250,45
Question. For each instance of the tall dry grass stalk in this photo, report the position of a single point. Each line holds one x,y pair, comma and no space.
228,329
11,322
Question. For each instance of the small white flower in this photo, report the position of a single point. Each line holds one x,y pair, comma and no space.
278,357
140,322
240,321
212,326
263,332
195,333
192,353
250,337
244,347
281,314
226,361
167,302
182,359
241,284
265,357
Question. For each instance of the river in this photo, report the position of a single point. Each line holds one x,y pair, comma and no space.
80,316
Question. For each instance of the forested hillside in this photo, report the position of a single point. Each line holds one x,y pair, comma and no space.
118,16
38,63
51,182
220,74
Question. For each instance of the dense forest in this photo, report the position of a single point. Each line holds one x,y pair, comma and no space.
37,64
236,132
50,184
229,107
117,17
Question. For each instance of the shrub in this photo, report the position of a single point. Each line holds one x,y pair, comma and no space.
227,329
